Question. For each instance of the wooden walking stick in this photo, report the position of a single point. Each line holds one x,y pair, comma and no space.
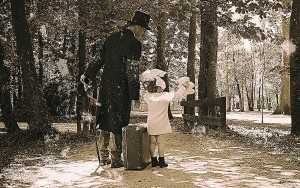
94,102
96,144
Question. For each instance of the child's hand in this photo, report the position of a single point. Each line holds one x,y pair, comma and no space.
186,84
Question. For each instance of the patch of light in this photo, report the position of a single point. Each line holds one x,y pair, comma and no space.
288,47
256,20
256,117
256,132
287,173
65,151
59,173
247,45
62,67
235,17
43,30
157,173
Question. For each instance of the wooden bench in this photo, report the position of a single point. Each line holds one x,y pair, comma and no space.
211,112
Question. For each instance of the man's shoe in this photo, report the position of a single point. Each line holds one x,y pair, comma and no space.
105,162
118,164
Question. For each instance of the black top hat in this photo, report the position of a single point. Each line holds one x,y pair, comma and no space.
140,18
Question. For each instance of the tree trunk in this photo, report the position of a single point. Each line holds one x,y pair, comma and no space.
192,56
80,103
249,101
228,98
38,115
249,94
80,88
259,100
73,92
161,47
284,106
233,97
253,81
241,101
64,49
41,57
161,44
208,51
5,101
251,105
7,112
188,126
242,106
295,68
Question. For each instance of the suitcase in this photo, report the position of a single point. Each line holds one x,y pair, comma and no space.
136,142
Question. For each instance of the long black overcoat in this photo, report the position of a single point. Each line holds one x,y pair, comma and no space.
119,84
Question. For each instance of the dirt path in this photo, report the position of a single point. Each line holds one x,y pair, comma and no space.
194,161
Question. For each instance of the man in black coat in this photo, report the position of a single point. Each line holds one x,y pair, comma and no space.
119,85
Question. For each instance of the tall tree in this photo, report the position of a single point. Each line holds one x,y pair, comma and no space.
228,97
36,104
81,105
5,100
192,52
208,50
161,40
295,67
41,57
161,46
284,106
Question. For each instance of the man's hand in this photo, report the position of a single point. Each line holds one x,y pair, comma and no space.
82,78
136,103
85,81
93,101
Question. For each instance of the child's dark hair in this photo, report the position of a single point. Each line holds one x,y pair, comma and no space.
150,86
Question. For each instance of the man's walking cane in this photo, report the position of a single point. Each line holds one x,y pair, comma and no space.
87,89
97,148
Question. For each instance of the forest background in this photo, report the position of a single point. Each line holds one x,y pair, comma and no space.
245,50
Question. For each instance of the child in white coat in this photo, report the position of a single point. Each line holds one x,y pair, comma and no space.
158,102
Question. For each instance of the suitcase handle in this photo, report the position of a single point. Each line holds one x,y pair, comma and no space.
138,128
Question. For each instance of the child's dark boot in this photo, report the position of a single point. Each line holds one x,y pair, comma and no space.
162,162
154,162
